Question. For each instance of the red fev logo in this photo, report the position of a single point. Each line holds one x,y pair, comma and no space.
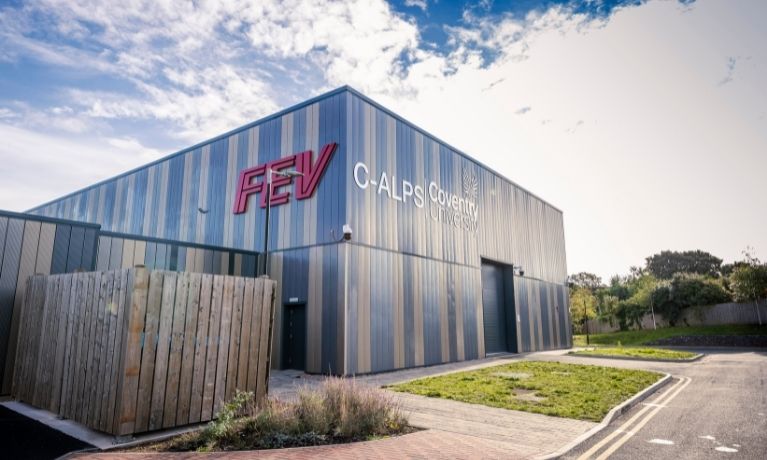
305,184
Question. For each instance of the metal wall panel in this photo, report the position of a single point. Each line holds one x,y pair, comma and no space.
30,245
190,194
117,251
9,272
417,298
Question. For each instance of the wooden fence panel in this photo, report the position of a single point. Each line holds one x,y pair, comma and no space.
135,350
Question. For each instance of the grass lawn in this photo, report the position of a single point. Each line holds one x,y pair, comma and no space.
648,335
636,352
550,388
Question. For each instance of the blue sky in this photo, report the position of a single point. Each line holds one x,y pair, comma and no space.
643,120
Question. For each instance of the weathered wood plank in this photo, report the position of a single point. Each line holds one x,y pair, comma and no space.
264,349
102,332
75,310
130,368
163,350
255,331
132,350
214,338
201,348
95,342
151,326
223,344
188,353
234,338
176,350
106,407
62,342
91,298
247,318
117,379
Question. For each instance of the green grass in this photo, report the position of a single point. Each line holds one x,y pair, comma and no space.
648,335
636,352
550,388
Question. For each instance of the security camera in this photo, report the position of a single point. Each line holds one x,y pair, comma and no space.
347,232
521,272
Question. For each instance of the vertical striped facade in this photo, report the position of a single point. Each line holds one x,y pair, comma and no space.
406,290
31,245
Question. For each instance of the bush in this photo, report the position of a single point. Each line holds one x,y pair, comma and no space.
339,411
686,290
629,314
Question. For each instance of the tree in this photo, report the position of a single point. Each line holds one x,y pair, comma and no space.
582,305
667,263
749,281
686,290
630,311
585,280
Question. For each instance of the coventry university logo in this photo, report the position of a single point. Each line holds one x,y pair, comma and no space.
470,185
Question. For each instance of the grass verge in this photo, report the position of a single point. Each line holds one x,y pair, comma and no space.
550,388
648,335
339,411
636,352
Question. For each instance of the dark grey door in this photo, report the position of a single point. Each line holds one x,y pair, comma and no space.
493,308
294,337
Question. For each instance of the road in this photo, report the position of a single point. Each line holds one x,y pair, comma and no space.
714,408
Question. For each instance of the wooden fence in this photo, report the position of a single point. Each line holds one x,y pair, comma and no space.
135,350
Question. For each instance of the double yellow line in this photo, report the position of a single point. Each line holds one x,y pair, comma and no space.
628,432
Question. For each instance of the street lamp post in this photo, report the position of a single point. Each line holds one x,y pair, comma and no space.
269,208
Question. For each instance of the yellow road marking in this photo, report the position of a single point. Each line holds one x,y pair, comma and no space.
624,428
642,423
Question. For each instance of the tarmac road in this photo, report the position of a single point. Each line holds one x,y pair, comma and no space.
714,408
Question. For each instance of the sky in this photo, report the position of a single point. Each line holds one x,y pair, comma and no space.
645,122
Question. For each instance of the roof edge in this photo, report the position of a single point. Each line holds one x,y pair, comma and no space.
282,112
446,144
200,144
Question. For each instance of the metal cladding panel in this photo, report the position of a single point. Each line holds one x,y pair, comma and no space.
189,196
402,314
309,276
75,253
511,226
61,249
9,271
30,245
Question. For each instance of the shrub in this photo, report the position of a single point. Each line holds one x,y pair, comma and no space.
687,290
339,410
630,313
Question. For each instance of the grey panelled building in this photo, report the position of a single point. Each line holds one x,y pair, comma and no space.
392,249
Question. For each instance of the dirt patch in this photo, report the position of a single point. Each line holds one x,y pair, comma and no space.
527,395
512,375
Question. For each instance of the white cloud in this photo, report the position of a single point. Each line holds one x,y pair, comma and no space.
647,128
631,135
45,166
422,4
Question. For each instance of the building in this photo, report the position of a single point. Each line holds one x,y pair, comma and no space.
392,249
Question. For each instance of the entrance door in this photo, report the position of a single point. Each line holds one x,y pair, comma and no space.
294,337
494,313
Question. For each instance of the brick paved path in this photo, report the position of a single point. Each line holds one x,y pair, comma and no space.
427,445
